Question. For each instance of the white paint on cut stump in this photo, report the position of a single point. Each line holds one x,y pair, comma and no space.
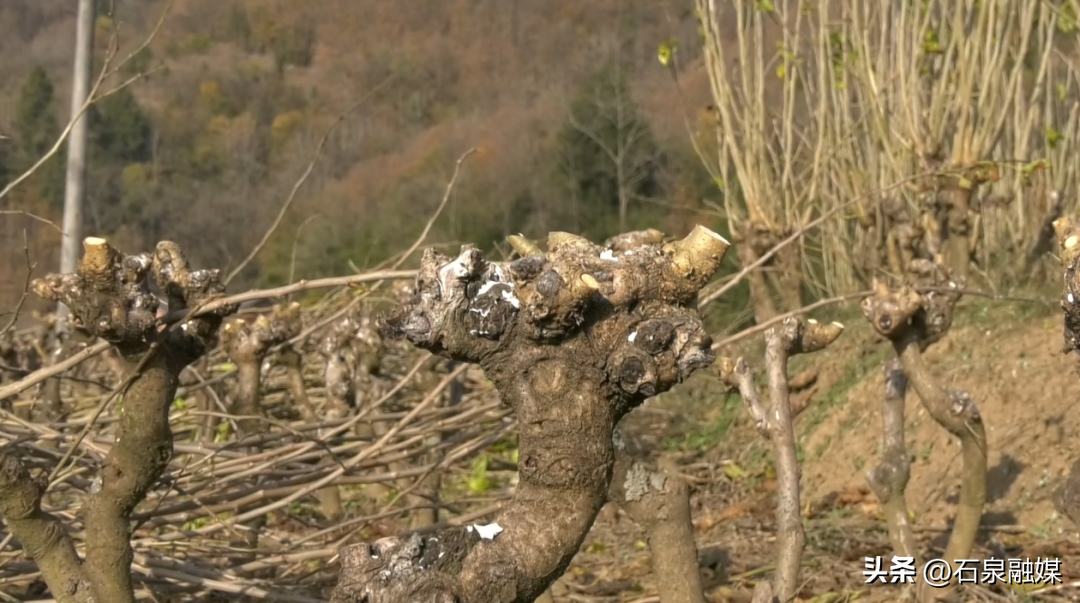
487,532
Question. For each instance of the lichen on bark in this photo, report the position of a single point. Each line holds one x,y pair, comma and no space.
573,338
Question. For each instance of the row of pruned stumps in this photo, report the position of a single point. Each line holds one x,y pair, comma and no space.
119,297
576,336
573,337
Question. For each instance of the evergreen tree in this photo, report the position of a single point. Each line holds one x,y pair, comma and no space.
607,154
35,125
119,128
120,139
36,129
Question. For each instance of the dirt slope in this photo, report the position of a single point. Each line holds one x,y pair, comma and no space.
1026,389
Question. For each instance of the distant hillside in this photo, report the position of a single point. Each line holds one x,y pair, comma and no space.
246,88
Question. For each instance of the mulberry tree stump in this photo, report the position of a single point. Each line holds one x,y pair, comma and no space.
109,296
573,338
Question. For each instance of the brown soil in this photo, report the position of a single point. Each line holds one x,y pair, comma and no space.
1024,387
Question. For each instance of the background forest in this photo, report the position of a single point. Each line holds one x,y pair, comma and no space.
206,147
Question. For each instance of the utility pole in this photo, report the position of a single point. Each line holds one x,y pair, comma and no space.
75,184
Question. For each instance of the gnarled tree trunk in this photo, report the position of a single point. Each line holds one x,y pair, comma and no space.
109,297
573,339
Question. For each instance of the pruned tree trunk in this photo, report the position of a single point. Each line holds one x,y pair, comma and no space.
957,202
659,502
912,322
890,478
793,336
1067,496
572,342
787,280
291,359
109,297
369,387
760,298
1044,241
345,389
248,344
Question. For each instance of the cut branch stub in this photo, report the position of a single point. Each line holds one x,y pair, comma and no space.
797,337
572,339
524,247
467,307
807,337
891,312
247,344
1068,236
109,295
250,341
921,309
635,239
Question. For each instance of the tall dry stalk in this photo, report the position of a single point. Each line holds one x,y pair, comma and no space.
936,83
770,117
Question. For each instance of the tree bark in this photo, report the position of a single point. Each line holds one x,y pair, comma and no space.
793,336
247,345
788,279
890,478
912,322
42,535
957,201
109,298
572,341
954,411
760,298
659,501
1067,496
